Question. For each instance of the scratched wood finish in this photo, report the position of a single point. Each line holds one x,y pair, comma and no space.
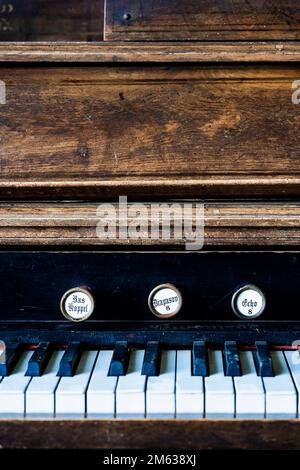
167,52
150,434
180,131
226,224
52,20
214,20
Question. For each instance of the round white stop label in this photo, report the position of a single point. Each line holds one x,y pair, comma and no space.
165,301
77,304
248,302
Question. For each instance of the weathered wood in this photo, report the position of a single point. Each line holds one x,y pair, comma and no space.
151,52
197,131
150,434
53,20
232,224
216,20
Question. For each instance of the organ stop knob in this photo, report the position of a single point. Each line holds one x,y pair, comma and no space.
248,302
165,301
77,304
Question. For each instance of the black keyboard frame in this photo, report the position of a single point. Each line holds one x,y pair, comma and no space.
32,283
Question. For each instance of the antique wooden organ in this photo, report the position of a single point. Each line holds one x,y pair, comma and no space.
119,341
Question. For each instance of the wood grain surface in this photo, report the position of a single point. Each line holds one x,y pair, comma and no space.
216,20
168,52
151,434
181,131
52,20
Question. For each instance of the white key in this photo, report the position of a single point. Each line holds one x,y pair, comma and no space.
70,394
100,395
13,387
249,389
189,388
160,393
40,394
219,390
293,360
281,397
130,394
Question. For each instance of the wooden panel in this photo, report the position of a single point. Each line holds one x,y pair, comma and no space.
53,20
229,224
150,434
150,52
214,20
193,131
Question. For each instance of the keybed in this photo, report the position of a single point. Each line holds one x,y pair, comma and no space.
173,389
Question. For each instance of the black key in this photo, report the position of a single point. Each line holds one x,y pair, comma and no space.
151,363
263,360
120,358
70,360
232,359
9,357
39,360
199,359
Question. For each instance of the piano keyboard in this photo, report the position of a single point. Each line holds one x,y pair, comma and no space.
151,384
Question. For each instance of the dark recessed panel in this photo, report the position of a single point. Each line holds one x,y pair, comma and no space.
51,20
32,284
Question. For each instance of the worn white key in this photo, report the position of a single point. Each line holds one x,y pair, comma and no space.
219,389
189,388
160,391
40,394
13,387
281,396
100,395
130,393
70,394
249,389
293,360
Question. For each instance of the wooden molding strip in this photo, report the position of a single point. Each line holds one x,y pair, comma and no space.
226,224
157,52
210,187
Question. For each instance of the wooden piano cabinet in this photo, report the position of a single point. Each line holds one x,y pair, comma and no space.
150,434
149,132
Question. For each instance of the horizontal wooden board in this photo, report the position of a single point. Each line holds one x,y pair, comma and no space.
168,52
214,20
151,434
53,20
181,131
226,225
